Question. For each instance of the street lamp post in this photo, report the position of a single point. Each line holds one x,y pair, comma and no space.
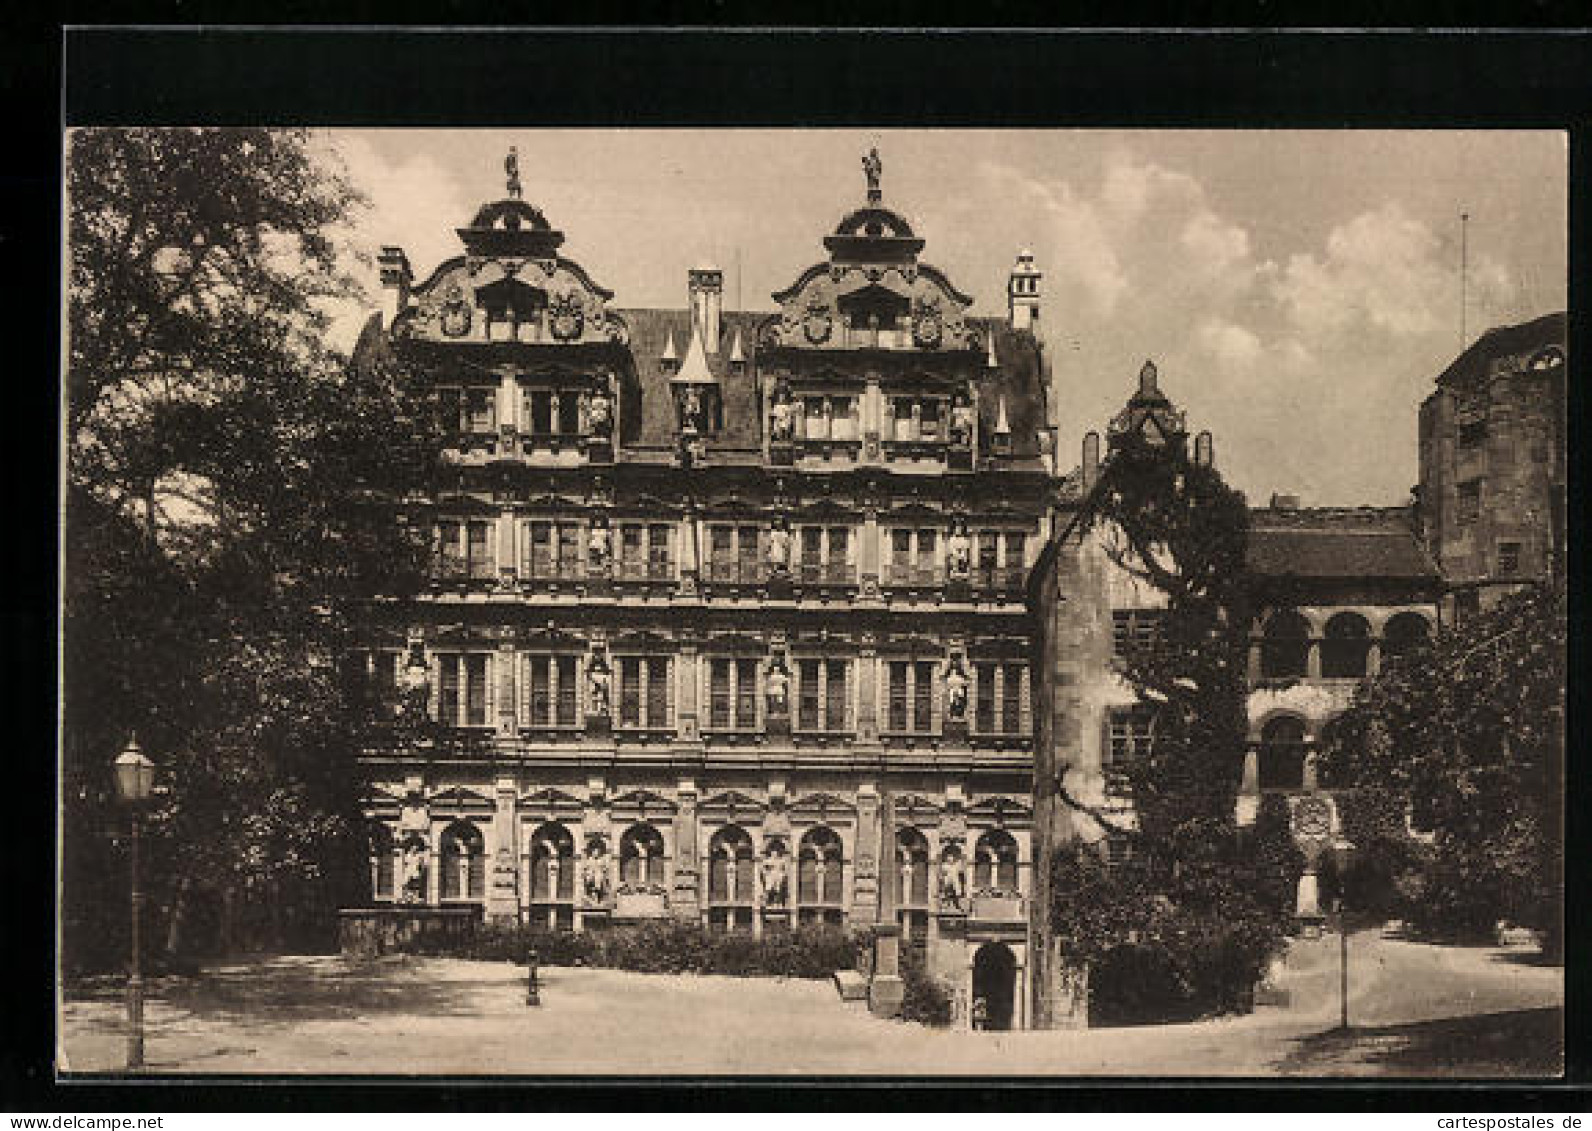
135,776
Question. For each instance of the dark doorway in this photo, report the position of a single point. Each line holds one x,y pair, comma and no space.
994,984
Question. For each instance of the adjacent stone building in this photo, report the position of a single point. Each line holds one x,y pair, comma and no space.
1337,589
715,589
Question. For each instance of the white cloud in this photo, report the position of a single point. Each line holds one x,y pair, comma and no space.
1228,344
1384,271
1216,245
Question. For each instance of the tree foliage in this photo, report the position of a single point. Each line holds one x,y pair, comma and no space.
229,510
1468,733
1198,900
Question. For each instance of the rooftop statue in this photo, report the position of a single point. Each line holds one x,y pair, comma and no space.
872,167
511,166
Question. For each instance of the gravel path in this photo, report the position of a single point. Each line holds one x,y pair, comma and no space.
1418,1010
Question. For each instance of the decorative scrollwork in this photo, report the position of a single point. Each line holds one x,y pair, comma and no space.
817,323
566,317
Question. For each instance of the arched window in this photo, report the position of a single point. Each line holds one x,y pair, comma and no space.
641,855
381,861
1404,633
819,868
1285,652
731,876
1345,647
1282,754
912,858
463,862
995,862
552,865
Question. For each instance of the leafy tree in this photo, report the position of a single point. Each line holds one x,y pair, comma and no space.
1187,923
229,512
1468,734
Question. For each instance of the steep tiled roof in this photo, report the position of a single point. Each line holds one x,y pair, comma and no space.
1019,379
649,333
1332,542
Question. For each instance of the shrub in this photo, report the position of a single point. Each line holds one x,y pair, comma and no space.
663,947
926,1000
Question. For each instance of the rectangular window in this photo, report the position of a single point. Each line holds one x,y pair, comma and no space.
812,553
564,690
984,699
923,696
901,556
659,565
448,691
898,695
1128,740
630,551
541,412
817,420
746,694
1508,558
1012,701
481,406
570,558
931,420
450,411
1473,433
569,414
719,693
1469,501
450,552
539,553
839,548
1016,553
1134,628
841,424
927,565
541,691
721,553
835,695
808,672
747,554
630,692
479,551
988,559
475,690
658,691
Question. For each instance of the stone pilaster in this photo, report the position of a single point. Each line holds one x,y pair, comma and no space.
687,713
868,555
502,896
868,689
865,872
683,900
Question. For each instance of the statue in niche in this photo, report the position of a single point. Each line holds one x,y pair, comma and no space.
691,410
599,546
778,687
594,879
782,417
599,413
958,550
412,871
956,691
953,879
511,168
597,681
774,875
962,420
779,545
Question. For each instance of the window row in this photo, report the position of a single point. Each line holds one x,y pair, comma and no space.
550,690
543,412
734,872
568,549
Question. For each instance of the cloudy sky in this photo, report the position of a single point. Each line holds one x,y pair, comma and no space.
1297,290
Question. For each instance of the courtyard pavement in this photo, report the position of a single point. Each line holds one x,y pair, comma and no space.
1415,1010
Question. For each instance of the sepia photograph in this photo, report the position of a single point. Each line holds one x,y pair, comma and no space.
812,602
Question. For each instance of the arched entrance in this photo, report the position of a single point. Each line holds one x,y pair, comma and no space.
995,984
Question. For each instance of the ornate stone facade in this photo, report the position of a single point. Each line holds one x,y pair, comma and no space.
711,586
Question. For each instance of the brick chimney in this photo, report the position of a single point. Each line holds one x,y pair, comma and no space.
706,284
396,278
